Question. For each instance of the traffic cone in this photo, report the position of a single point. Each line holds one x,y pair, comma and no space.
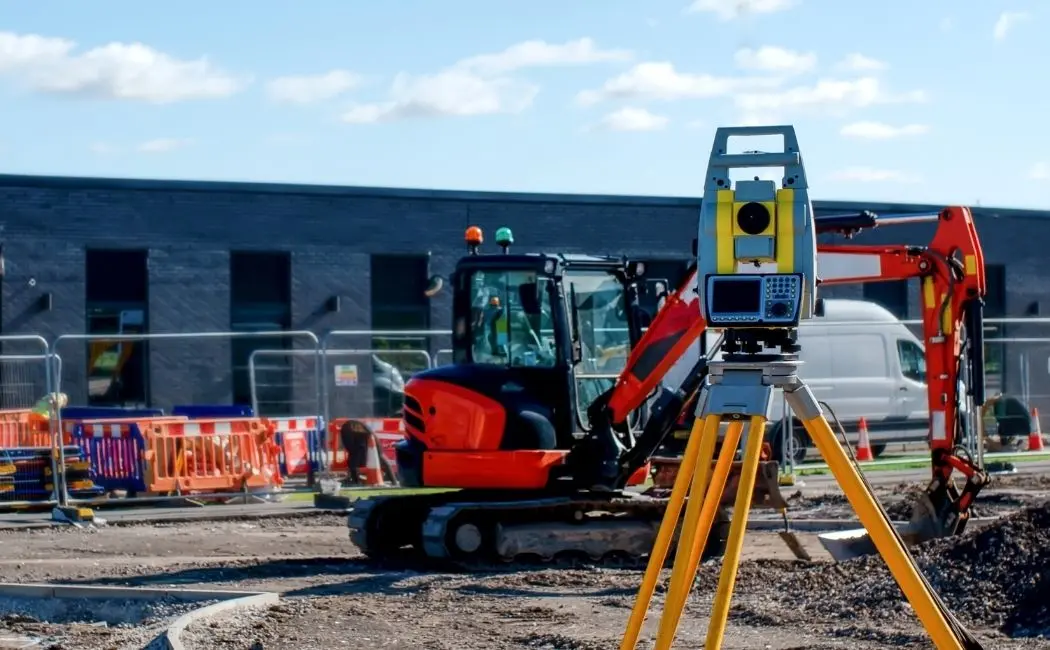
863,443
373,471
1035,436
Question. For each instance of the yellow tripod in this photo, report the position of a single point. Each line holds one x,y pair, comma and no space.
741,389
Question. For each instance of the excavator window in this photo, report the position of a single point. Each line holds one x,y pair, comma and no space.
511,319
601,327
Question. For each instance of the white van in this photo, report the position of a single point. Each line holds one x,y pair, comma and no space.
861,361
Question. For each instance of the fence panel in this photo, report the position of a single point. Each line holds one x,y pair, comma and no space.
364,371
284,383
875,387
27,466
183,369
23,379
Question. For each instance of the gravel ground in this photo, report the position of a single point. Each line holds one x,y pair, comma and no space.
332,598
83,624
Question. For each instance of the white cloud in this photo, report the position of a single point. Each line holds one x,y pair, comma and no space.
757,118
478,85
827,94
162,145
123,71
540,54
451,93
859,63
103,148
1007,21
732,9
309,89
633,119
769,58
156,145
659,80
870,175
880,131
1040,172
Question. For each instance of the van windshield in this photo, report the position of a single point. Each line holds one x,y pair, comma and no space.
913,360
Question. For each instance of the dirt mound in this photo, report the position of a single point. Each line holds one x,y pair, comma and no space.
997,577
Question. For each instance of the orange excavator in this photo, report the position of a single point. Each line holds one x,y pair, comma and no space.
541,431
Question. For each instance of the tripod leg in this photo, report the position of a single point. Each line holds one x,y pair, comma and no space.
698,451
696,528
872,518
735,544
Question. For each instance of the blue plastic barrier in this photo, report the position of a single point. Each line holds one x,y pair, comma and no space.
114,451
314,444
27,475
194,411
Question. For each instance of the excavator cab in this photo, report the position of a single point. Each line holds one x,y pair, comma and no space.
536,339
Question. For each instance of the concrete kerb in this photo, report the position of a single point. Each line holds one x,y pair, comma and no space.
172,635
229,600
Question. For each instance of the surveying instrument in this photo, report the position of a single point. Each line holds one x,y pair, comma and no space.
757,277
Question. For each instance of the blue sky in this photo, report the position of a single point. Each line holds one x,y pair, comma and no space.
895,100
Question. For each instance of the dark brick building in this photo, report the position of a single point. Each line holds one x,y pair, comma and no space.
101,256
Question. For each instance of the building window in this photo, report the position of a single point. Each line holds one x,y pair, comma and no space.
995,358
261,301
399,302
893,295
117,298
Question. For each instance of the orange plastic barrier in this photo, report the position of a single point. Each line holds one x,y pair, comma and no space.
217,455
23,428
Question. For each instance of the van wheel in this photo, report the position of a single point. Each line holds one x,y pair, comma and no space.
801,441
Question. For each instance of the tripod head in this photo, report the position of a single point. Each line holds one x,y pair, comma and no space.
757,252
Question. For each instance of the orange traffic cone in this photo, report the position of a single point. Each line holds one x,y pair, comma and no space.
1035,437
373,472
863,443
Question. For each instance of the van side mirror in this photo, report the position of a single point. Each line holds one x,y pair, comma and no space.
818,308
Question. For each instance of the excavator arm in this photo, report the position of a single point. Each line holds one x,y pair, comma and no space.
667,358
952,283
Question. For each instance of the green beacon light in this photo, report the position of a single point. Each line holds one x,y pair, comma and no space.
504,237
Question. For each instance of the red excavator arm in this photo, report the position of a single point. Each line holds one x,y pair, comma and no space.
951,270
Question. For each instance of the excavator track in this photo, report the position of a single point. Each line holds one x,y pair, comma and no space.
485,530
482,529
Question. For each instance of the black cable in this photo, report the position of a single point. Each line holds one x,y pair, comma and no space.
968,640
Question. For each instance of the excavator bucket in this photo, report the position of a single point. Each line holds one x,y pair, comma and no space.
928,522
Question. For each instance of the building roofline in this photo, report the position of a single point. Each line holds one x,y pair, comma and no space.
143,184
250,187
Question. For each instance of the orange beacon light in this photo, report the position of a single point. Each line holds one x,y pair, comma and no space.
474,239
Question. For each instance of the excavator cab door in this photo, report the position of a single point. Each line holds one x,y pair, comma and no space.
603,329
510,327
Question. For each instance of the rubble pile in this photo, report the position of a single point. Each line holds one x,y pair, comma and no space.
998,575
995,577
